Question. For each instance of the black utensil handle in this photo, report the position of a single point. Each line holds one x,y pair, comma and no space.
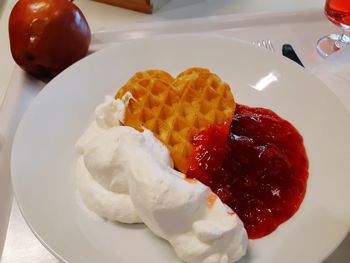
288,51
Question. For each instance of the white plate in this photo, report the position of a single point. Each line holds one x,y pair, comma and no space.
43,158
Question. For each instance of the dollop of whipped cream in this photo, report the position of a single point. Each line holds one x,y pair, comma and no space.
128,176
101,175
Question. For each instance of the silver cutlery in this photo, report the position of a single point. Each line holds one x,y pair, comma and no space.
287,50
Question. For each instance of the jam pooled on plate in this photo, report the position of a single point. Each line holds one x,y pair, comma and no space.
257,165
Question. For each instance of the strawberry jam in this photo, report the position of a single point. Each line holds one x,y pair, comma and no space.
257,165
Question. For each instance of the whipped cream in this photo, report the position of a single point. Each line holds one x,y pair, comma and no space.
108,114
102,185
181,212
128,176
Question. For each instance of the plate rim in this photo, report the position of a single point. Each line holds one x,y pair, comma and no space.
48,86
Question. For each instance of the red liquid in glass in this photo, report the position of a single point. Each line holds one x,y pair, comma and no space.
257,166
338,12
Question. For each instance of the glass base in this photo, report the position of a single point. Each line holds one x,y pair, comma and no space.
328,45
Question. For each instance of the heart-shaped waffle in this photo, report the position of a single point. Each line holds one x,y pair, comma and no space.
177,109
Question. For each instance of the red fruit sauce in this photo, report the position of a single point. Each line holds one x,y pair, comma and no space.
257,166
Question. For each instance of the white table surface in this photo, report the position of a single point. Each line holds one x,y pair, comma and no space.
21,245
102,16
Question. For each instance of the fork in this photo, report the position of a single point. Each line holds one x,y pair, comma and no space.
267,44
287,50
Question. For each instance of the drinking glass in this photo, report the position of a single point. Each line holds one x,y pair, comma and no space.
338,12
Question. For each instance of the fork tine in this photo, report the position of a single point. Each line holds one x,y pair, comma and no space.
267,44
272,48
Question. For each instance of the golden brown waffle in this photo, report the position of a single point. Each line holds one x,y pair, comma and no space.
152,74
177,109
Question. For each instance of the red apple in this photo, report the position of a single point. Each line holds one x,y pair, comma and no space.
47,36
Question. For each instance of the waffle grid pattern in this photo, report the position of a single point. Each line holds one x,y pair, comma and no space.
177,109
